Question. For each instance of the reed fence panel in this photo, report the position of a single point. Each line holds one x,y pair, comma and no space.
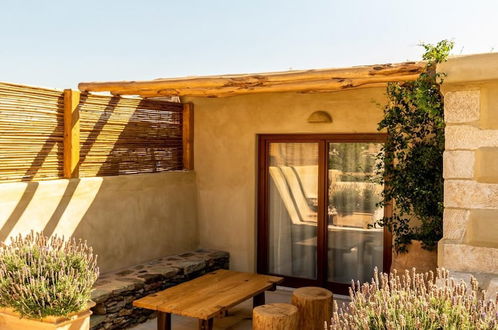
31,133
117,135
128,136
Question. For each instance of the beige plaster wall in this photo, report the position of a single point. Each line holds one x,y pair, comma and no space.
225,154
127,219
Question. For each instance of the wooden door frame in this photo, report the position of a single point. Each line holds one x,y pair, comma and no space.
323,140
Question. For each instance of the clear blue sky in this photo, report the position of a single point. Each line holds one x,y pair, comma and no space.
56,43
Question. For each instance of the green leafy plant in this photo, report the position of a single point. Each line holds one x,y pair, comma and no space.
344,200
42,276
352,157
411,161
415,301
350,198
369,200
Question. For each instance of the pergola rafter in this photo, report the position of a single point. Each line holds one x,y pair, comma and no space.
305,81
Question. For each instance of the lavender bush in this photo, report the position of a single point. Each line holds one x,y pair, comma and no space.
41,276
416,301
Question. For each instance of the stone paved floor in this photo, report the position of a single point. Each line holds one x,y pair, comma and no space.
239,317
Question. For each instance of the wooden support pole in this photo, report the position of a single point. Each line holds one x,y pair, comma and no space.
188,136
71,133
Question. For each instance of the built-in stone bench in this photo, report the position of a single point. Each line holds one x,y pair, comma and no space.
115,292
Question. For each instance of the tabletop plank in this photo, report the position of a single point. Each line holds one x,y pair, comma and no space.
209,295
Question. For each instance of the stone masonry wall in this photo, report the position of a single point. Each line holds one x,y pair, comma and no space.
470,242
115,292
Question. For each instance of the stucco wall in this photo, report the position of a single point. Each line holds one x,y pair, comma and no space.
225,154
126,219
470,242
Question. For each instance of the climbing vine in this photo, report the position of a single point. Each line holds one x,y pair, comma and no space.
411,162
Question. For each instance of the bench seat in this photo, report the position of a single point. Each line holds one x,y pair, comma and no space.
114,292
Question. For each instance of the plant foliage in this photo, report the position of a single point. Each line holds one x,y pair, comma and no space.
42,277
416,301
411,162
349,199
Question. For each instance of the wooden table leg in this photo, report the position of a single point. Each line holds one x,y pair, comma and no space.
163,321
206,324
258,299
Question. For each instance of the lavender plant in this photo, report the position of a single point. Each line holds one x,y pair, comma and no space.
416,301
41,276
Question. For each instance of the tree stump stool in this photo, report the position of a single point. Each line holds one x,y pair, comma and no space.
275,317
314,305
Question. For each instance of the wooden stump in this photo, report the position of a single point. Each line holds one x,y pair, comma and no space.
275,317
314,305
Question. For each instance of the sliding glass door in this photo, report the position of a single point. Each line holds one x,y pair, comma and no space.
355,244
317,209
292,209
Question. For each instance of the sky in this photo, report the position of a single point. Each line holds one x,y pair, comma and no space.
53,43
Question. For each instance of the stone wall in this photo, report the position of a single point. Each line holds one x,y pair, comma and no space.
115,292
470,242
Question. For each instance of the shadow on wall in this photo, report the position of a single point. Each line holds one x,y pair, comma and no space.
33,169
127,219
35,166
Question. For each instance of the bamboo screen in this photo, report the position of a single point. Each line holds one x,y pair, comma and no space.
117,135
126,136
31,133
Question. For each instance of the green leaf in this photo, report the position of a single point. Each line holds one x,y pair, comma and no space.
413,153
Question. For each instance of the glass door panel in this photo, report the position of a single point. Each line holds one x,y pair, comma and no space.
293,209
355,243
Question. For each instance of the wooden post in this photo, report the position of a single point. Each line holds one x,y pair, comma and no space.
275,317
71,133
258,300
188,136
314,305
163,321
206,324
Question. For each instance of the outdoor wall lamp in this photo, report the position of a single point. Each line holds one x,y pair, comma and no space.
320,117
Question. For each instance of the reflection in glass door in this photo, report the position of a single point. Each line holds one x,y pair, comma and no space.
293,197
317,208
355,243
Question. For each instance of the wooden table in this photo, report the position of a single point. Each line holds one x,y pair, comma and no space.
208,296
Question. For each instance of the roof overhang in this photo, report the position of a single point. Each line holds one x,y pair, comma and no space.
305,81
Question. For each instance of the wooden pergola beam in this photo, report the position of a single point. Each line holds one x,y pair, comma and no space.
302,87
289,81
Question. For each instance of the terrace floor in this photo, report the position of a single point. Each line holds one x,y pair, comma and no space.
239,317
